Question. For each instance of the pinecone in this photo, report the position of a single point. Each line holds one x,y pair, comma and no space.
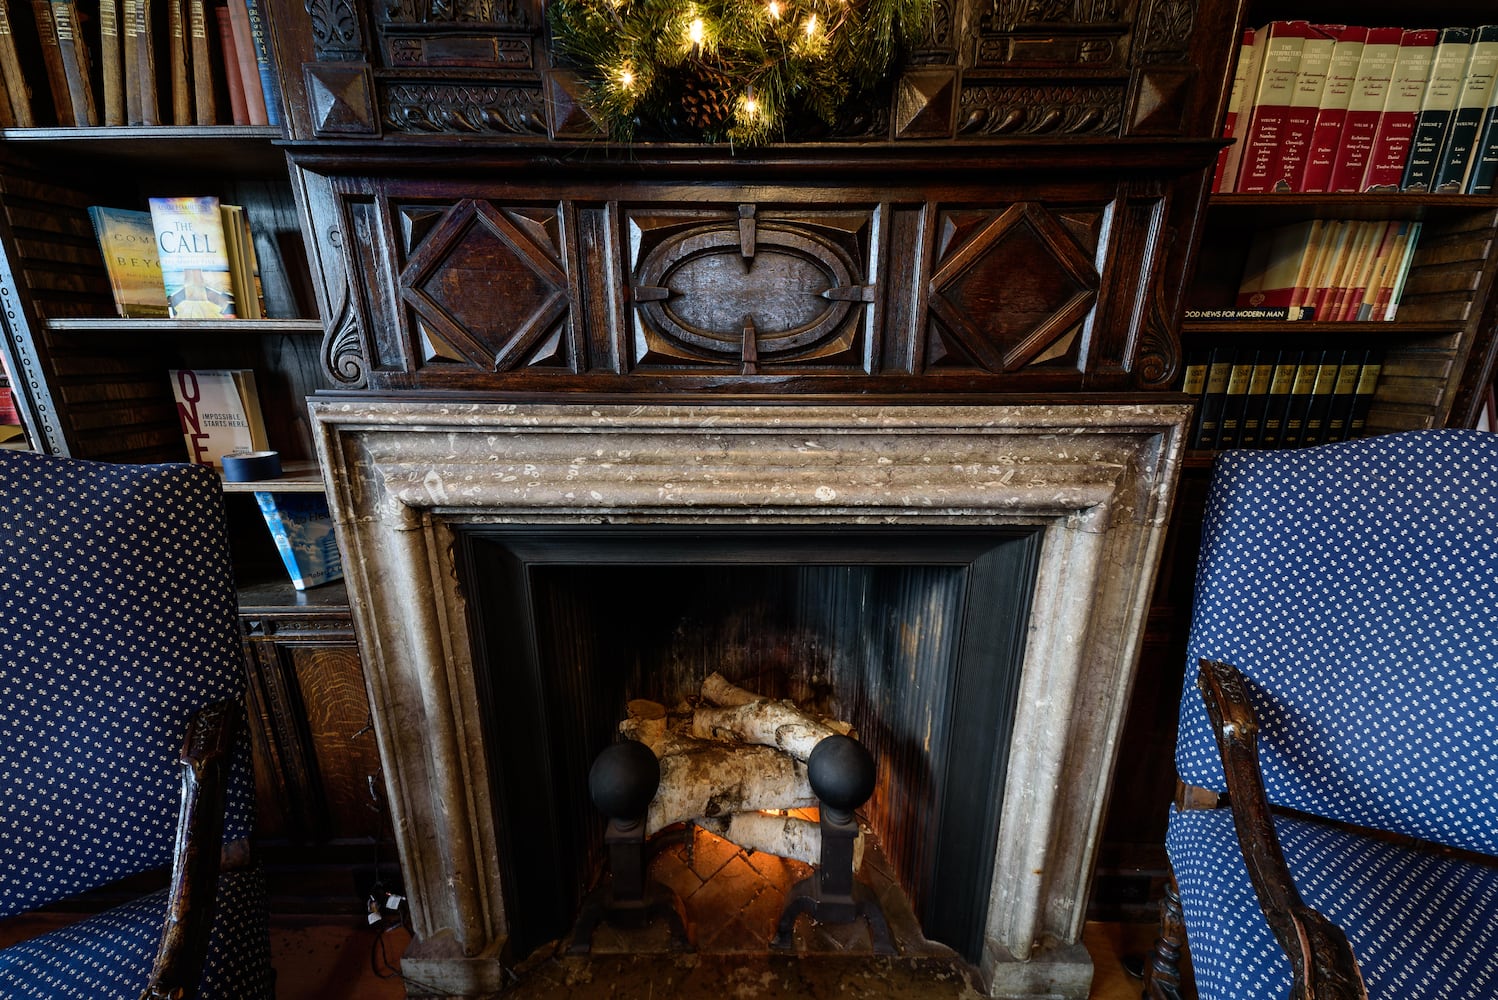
707,98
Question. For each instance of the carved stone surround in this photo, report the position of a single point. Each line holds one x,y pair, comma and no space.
1096,478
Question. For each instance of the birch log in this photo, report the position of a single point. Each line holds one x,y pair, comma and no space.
717,780
767,723
645,723
786,836
725,694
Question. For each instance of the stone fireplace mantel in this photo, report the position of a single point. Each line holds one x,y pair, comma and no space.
1096,478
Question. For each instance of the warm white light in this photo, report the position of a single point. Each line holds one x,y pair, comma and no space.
695,31
773,7
626,78
811,26
751,107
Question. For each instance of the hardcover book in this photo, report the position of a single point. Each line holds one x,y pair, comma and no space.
1370,90
1458,155
1282,43
17,91
1437,107
127,241
1236,118
1287,171
303,531
194,258
1396,124
219,409
1331,112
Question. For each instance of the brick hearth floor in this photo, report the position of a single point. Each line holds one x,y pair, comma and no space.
732,901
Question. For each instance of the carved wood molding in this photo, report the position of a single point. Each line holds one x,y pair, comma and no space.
1040,109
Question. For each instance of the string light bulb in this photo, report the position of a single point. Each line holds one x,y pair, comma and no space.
773,9
695,32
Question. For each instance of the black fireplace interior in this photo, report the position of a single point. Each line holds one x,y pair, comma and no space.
915,636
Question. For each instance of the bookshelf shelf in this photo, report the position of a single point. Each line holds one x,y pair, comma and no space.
296,477
205,327
1342,333
247,150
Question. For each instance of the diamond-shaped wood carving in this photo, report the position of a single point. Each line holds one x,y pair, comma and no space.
1006,295
489,289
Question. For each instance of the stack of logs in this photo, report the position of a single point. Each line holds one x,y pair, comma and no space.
733,765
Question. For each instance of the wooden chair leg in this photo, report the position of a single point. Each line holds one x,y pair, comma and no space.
1162,973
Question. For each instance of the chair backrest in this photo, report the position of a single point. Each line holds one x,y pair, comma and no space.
1355,585
117,621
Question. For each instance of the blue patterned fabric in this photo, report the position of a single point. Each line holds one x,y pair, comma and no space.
1423,927
118,620
109,956
1355,585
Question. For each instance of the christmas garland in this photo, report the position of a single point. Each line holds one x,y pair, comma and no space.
737,70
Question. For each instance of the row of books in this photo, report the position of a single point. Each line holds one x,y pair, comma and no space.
219,410
1335,107
187,258
136,62
1280,398
1330,269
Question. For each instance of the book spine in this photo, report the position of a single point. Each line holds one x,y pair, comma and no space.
16,87
1339,413
1193,384
204,103
1213,396
1396,124
1280,314
1251,426
1362,399
1271,433
1361,308
238,109
177,39
1437,107
265,61
1370,91
1292,431
1396,290
145,57
1484,170
130,43
1326,133
248,69
1283,42
1237,99
1478,85
76,62
111,75
57,79
1230,423
1288,170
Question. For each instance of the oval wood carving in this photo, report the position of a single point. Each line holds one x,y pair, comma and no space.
712,287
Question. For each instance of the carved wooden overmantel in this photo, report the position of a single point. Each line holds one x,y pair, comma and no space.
1018,219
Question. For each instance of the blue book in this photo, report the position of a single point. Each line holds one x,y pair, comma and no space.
303,530
270,82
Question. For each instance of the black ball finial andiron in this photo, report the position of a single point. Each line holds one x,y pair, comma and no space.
623,780
841,772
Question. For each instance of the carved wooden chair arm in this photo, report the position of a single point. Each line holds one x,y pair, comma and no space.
197,856
1321,960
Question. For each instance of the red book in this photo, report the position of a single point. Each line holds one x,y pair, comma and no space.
1396,125
1326,133
238,110
1282,42
1289,167
1369,92
1238,108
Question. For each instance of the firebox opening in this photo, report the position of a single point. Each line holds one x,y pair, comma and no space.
915,636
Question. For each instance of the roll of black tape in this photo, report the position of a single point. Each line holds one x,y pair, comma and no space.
251,467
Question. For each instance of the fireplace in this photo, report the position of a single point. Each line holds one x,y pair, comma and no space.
990,561
915,636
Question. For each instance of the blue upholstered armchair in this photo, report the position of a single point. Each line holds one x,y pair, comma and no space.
1346,627
120,679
